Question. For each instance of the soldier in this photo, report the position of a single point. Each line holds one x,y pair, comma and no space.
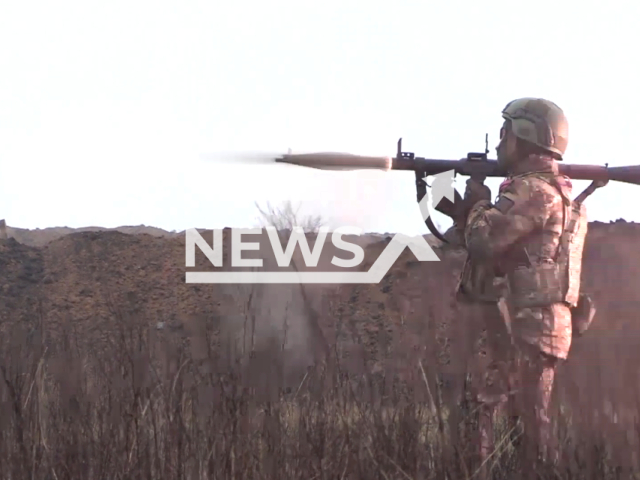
524,255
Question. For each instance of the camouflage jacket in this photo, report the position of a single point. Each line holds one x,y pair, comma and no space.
522,228
525,223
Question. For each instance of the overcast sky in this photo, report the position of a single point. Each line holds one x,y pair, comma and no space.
105,107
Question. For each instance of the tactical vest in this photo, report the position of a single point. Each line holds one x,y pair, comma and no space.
556,280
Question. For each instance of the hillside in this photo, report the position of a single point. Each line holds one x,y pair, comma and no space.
61,277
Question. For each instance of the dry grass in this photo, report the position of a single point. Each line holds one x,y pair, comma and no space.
143,403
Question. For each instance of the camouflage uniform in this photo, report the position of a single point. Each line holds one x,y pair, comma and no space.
514,250
523,228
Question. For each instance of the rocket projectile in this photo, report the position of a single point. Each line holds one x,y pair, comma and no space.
337,161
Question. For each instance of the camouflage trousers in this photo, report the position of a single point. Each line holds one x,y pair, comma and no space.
514,377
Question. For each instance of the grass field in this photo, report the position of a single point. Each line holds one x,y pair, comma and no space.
139,404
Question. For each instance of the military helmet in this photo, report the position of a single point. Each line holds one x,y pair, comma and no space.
540,122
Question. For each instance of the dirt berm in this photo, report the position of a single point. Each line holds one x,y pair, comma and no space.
71,278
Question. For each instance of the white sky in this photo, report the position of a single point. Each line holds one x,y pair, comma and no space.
106,106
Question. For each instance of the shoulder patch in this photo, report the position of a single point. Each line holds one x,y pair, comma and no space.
505,184
504,204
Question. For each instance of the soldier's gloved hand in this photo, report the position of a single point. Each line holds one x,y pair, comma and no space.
475,192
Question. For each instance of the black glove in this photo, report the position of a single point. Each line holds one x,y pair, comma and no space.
459,209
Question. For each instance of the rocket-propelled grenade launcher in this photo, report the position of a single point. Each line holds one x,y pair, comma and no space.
475,165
